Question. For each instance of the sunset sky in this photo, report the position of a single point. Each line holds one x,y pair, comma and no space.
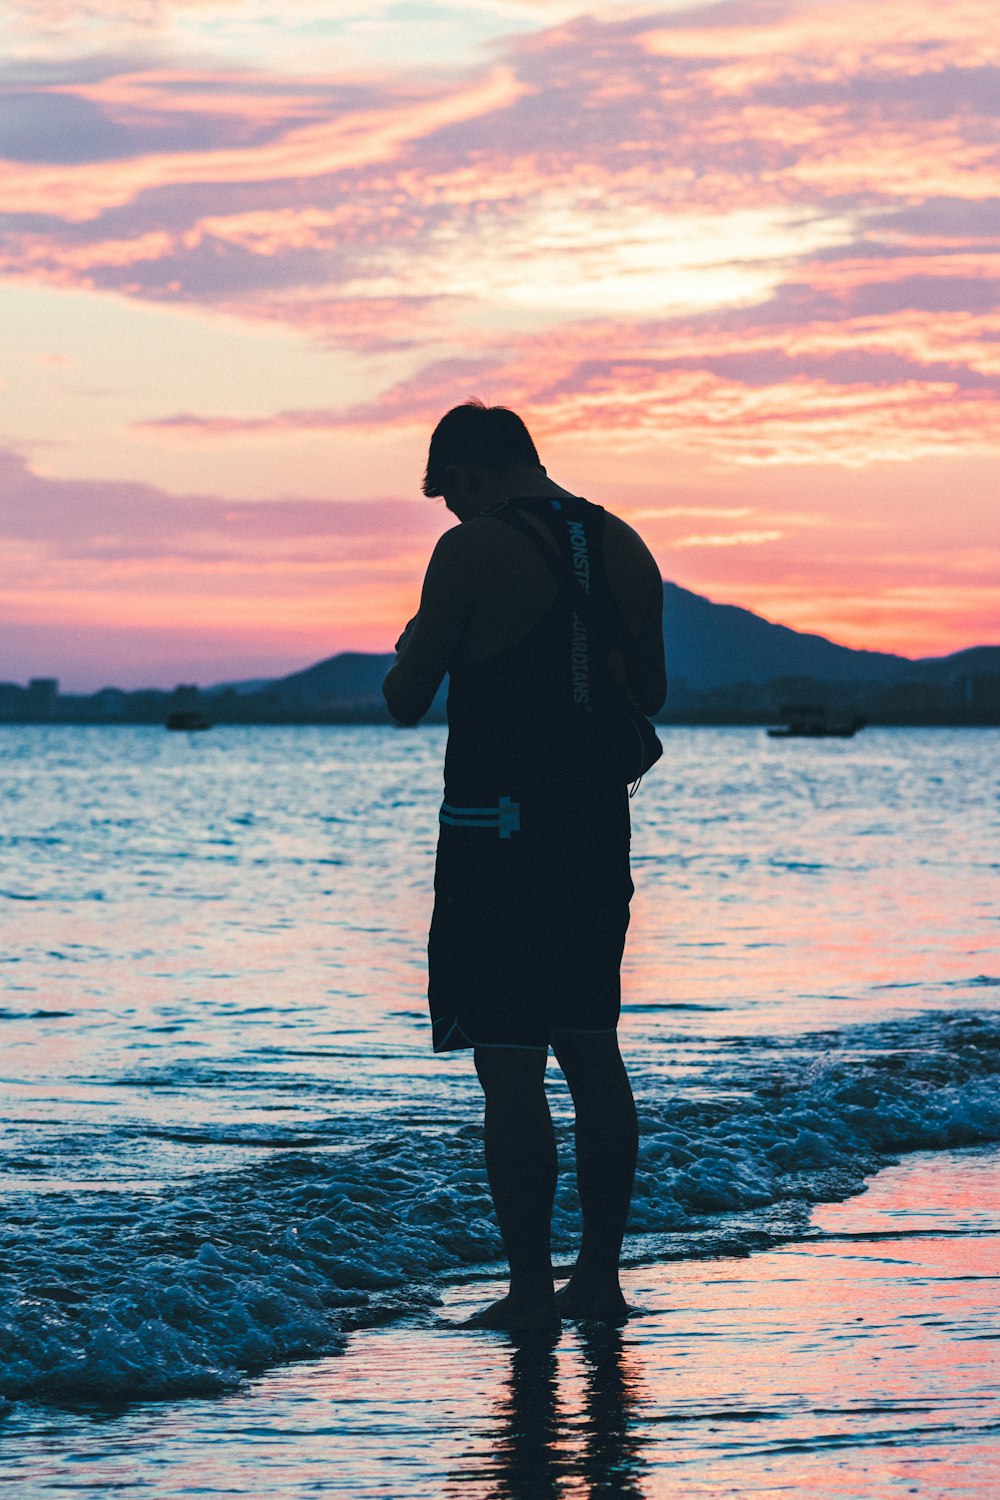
735,264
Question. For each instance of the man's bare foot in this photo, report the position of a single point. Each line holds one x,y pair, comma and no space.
597,1304
518,1315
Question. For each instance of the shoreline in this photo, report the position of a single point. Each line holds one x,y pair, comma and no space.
852,1362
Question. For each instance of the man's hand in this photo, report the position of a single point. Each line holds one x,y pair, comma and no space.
407,631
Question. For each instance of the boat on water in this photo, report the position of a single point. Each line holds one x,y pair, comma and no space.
189,719
810,721
184,710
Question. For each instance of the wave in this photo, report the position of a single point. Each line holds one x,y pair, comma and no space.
123,1296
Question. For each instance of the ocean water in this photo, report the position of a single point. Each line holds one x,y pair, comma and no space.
226,1144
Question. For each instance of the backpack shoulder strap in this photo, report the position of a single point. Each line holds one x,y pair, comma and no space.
551,552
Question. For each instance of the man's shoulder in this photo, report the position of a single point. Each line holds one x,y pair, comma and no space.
464,551
451,546
626,541
475,536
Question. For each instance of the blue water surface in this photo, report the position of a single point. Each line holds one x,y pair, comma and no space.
226,1142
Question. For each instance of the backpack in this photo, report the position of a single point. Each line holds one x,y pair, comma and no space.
601,705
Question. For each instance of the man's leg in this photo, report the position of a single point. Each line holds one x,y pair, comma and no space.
521,1165
606,1145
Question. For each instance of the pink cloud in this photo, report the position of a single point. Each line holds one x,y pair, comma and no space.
846,392
202,578
444,222
354,138
319,185
116,521
145,586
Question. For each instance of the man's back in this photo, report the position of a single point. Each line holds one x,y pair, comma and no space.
511,589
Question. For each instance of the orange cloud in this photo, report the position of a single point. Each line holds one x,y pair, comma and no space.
742,395
244,95
357,138
728,539
921,620
132,560
760,241
843,38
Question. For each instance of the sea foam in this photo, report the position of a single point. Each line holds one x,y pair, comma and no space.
118,1296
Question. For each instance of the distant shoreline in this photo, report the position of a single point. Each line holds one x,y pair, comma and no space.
726,665
437,722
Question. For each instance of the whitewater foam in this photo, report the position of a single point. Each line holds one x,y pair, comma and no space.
130,1295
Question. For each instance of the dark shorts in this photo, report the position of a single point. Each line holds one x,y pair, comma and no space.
530,914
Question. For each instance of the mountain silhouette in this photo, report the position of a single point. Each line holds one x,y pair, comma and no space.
349,677
708,646
712,645
726,665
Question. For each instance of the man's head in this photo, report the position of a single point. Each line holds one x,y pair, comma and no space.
474,450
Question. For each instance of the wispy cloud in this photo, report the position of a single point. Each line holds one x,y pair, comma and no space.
354,138
752,238
848,393
77,520
781,233
729,539
672,512
290,580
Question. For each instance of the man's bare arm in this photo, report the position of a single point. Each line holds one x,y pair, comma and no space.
431,641
647,669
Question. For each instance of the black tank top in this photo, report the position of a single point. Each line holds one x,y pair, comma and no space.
512,728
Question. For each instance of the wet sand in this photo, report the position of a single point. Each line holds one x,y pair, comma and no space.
859,1363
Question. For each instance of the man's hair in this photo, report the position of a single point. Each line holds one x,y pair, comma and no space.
493,436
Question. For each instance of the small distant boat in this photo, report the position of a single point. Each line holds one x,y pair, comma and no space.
189,719
809,721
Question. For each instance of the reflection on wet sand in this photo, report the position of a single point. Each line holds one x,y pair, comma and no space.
544,1442
612,1453
525,1458
852,1364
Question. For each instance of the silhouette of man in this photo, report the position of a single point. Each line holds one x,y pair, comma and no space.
532,882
